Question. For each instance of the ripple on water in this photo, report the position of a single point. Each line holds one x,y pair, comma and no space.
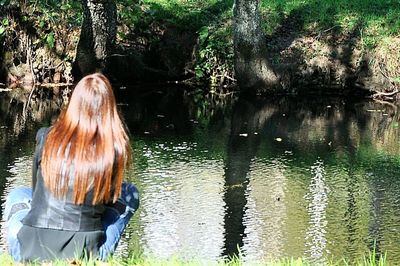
181,201
274,201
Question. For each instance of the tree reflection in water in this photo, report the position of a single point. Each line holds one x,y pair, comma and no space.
322,131
240,175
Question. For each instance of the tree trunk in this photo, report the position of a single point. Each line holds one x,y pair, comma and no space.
98,34
252,69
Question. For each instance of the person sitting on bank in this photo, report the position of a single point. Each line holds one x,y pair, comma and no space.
78,205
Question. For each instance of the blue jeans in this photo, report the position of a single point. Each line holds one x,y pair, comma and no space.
18,204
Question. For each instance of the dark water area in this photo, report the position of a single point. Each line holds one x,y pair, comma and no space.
284,177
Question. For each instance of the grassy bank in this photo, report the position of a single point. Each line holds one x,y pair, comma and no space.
371,260
342,42
376,19
360,37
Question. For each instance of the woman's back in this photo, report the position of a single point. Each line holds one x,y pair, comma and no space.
77,206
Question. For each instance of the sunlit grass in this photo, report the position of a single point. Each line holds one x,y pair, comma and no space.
371,260
333,12
376,19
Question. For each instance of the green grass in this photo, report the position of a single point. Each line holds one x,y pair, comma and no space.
375,18
370,13
371,260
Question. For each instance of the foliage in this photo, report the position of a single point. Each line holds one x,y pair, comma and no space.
3,26
210,20
215,55
40,36
4,2
141,24
128,16
48,23
45,19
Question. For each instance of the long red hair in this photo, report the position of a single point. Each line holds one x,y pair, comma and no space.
87,148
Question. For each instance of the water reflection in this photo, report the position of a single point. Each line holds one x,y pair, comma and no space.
266,214
182,207
272,178
318,200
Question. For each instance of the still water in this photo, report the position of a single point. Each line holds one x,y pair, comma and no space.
277,178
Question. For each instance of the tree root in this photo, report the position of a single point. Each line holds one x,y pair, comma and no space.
387,96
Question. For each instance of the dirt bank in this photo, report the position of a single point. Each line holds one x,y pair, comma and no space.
336,63
326,61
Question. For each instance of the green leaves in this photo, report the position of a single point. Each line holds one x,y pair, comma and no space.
214,60
396,79
50,40
4,2
3,26
203,34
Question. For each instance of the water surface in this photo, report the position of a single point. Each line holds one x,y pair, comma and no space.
275,178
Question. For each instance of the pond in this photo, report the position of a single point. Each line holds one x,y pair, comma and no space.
283,177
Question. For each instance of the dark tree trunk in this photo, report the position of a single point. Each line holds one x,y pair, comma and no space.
252,69
98,34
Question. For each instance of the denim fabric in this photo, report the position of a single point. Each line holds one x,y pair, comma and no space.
114,221
14,217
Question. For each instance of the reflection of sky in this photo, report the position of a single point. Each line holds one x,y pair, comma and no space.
318,201
20,172
182,204
266,211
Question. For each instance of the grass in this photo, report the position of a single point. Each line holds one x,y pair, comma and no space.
376,18
371,260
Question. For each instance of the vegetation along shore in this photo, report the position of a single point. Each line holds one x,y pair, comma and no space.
332,47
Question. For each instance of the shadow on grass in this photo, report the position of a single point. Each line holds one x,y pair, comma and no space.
171,38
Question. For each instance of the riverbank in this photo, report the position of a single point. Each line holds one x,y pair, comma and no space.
330,47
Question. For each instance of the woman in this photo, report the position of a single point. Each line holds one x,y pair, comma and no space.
78,205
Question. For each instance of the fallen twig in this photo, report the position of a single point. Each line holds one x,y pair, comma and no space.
226,76
222,94
329,29
325,31
49,85
386,94
26,106
386,103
